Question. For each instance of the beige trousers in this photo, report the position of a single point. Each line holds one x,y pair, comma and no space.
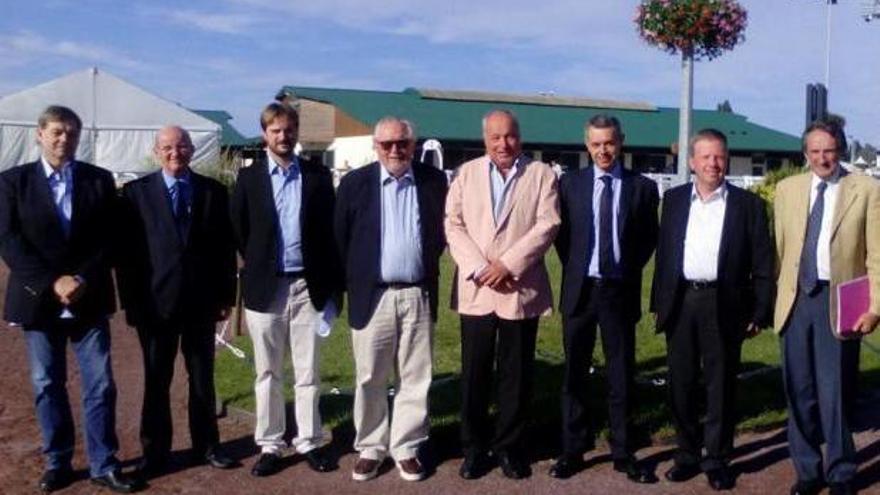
396,341
291,322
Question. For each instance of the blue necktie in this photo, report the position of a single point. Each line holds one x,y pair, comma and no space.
606,241
808,275
181,208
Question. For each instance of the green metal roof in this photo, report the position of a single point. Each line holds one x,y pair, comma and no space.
229,135
547,124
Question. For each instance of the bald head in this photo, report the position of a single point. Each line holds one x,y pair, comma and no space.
173,150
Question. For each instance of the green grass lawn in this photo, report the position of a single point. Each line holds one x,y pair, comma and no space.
761,399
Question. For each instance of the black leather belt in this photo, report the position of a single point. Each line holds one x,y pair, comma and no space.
292,275
399,285
700,284
603,282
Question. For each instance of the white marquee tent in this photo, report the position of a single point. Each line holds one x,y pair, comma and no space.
120,122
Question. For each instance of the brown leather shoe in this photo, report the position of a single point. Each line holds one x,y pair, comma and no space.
411,469
365,469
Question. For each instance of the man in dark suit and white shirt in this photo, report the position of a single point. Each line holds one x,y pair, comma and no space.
282,213
55,236
713,287
176,280
389,226
608,233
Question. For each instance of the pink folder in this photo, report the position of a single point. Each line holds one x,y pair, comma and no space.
853,300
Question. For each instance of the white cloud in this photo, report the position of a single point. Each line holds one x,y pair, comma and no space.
224,23
26,46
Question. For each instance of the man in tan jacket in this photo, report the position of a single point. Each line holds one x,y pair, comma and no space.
501,217
827,232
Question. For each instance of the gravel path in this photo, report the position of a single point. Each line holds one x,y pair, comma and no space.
762,458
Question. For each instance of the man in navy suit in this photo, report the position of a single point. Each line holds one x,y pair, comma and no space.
55,236
608,233
713,287
389,227
176,280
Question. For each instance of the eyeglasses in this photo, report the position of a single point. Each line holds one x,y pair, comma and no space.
388,145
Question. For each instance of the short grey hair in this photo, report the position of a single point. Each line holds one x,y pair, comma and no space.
707,134
500,111
392,120
605,121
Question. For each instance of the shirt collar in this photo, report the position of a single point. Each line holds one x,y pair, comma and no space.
616,171
385,177
519,163
831,180
275,168
718,194
66,168
171,181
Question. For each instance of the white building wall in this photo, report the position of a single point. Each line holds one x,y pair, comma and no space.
352,152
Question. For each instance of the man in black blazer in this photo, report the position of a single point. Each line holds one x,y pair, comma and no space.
282,213
713,287
389,228
176,280
608,233
55,236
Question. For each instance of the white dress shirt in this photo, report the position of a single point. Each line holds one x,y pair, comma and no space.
702,240
823,248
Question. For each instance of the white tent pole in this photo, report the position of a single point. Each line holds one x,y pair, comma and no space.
94,134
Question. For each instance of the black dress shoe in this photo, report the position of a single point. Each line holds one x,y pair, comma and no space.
216,458
634,472
566,466
118,482
475,465
841,489
55,479
721,478
319,462
513,467
150,466
267,465
682,472
806,487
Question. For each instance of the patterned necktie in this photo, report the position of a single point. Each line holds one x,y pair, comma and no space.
808,275
606,241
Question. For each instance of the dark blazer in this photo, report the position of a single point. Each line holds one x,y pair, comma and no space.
255,221
32,243
637,229
163,276
358,223
745,261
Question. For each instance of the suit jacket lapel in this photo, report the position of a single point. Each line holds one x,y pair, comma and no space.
586,210
197,190
308,184
682,212
41,190
845,198
374,216
623,207
424,205
731,219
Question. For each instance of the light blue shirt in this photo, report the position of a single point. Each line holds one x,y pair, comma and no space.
598,188
401,244
61,185
501,185
177,186
287,193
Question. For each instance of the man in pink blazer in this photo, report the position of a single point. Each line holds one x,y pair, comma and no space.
501,217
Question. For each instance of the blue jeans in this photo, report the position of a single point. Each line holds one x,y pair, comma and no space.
47,353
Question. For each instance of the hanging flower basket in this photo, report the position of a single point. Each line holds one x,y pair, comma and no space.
702,29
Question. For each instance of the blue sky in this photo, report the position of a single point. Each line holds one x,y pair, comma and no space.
236,54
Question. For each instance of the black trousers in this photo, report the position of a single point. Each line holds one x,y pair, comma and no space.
509,345
603,306
159,344
695,337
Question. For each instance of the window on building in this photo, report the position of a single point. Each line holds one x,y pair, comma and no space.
653,163
567,160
